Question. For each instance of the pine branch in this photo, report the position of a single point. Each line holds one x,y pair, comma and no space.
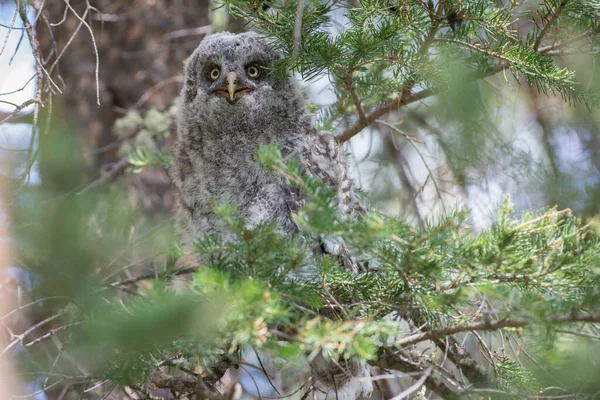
490,325
553,17
461,358
401,101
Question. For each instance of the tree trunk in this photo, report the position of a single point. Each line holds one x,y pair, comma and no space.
140,61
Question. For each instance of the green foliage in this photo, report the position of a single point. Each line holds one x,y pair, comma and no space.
532,278
513,376
141,159
141,137
536,270
385,47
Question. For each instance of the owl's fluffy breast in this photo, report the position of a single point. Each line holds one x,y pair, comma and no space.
216,172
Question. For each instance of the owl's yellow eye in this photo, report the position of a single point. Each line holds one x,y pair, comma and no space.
253,71
214,73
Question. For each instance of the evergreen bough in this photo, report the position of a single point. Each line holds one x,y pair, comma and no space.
507,312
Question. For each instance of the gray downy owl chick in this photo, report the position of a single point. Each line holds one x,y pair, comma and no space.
230,105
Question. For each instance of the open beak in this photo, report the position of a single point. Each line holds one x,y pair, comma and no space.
232,89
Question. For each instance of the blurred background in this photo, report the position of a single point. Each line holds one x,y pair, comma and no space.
116,70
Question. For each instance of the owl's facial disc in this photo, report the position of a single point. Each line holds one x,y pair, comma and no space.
231,90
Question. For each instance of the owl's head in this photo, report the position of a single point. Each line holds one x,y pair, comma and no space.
230,83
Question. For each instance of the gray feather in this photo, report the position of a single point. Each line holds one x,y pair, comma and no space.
214,159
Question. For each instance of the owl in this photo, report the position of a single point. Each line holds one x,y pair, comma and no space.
231,103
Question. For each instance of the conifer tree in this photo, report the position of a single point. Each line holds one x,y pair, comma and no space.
509,311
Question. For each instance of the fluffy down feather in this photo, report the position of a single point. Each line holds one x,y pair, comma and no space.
214,161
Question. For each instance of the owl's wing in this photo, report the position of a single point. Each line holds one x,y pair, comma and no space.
322,157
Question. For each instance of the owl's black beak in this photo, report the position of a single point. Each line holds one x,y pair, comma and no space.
232,89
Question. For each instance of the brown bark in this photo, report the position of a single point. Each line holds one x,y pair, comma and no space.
133,57
140,61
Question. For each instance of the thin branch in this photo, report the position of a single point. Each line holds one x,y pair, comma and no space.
565,42
553,17
71,39
38,392
10,29
386,108
14,28
201,30
476,48
445,387
488,354
401,101
16,48
292,393
146,96
19,338
490,325
16,111
39,72
433,179
20,89
583,334
355,98
35,48
461,358
29,305
89,28
52,332
264,370
96,386
416,386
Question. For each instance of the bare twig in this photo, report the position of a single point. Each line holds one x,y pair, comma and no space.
566,42
433,179
583,334
17,109
551,20
52,332
20,89
29,305
490,325
19,338
265,371
355,98
445,387
488,354
38,392
292,393
10,29
96,386
416,386
89,28
39,72
382,110
144,98
201,30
